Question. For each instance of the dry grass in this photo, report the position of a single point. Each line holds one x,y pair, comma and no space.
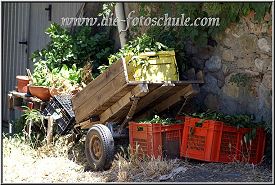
22,163
131,167
65,161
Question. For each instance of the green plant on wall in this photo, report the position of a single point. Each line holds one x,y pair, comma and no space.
241,79
176,36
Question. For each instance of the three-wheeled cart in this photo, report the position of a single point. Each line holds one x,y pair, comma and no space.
107,103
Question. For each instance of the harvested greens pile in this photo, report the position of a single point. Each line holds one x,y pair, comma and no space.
163,121
238,120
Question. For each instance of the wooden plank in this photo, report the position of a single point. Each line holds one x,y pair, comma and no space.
194,92
177,83
154,95
102,96
139,91
94,86
50,130
113,100
10,101
175,98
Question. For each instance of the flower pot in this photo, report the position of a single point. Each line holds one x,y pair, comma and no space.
22,82
40,92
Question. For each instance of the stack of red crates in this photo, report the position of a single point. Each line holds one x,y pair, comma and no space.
155,140
216,142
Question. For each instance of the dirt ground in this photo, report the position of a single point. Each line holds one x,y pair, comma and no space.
65,162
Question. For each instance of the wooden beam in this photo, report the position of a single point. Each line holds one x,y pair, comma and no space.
154,95
10,101
50,130
139,91
185,92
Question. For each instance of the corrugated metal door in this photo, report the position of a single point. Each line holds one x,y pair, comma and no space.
15,25
26,22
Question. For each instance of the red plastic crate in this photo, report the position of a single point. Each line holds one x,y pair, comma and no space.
201,142
252,152
147,137
171,140
217,142
155,139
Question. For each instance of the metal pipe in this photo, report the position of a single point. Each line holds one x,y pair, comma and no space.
121,24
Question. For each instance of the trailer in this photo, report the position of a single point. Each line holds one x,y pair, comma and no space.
109,102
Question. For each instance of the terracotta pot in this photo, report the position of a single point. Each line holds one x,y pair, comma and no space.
40,92
22,82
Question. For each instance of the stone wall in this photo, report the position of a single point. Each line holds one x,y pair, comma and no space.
242,52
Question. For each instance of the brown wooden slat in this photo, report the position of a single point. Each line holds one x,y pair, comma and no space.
113,100
94,86
99,98
154,95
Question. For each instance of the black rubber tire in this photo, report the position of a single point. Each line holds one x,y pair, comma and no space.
105,138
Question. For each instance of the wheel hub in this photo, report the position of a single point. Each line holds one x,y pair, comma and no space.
96,147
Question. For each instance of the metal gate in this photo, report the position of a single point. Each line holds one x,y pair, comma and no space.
23,32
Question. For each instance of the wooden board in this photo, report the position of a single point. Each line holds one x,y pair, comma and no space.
94,86
154,95
100,97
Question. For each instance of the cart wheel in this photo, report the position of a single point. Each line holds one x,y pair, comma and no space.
99,147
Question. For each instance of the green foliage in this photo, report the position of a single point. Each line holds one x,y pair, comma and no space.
241,79
66,78
40,74
238,120
133,48
34,127
176,36
141,44
32,115
107,9
68,52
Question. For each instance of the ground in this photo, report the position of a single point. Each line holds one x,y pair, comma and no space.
66,162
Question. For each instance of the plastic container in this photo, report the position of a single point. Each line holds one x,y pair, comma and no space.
201,143
62,106
159,66
145,139
216,142
171,140
155,139
252,152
